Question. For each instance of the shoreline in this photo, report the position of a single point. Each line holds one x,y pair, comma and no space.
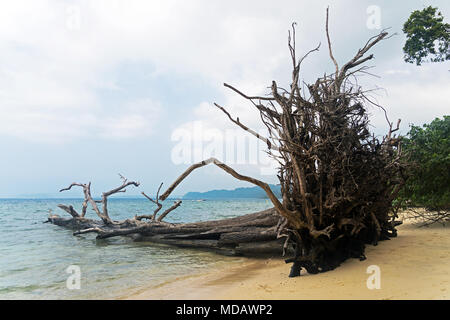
415,265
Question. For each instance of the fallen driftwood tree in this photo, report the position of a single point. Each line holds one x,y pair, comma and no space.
257,233
252,234
338,181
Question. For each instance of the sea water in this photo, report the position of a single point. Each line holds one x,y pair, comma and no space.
35,256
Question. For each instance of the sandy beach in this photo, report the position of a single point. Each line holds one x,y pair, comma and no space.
415,265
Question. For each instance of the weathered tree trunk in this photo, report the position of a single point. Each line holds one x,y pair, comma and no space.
251,234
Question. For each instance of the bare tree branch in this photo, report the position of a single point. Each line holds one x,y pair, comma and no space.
165,213
70,210
278,206
329,46
267,141
248,97
88,198
152,217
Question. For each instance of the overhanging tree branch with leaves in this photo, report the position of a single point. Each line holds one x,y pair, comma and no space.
428,37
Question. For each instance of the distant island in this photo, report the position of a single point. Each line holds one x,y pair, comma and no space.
238,193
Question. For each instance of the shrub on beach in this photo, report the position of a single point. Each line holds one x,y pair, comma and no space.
428,150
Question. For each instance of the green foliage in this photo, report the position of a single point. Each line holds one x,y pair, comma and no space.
428,149
427,36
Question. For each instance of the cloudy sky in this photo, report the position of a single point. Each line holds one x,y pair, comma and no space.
89,89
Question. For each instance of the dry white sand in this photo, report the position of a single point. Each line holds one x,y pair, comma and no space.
415,265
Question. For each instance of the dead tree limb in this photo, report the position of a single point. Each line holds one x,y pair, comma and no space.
70,210
329,46
88,199
251,234
165,213
251,131
279,207
121,188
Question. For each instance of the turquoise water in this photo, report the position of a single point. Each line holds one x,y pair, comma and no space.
34,256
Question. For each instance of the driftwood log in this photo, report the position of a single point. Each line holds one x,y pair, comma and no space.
338,181
252,234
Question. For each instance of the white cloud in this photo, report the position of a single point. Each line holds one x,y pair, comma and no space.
57,56
413,104
134,119
416,95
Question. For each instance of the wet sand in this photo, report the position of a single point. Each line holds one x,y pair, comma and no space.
415,265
